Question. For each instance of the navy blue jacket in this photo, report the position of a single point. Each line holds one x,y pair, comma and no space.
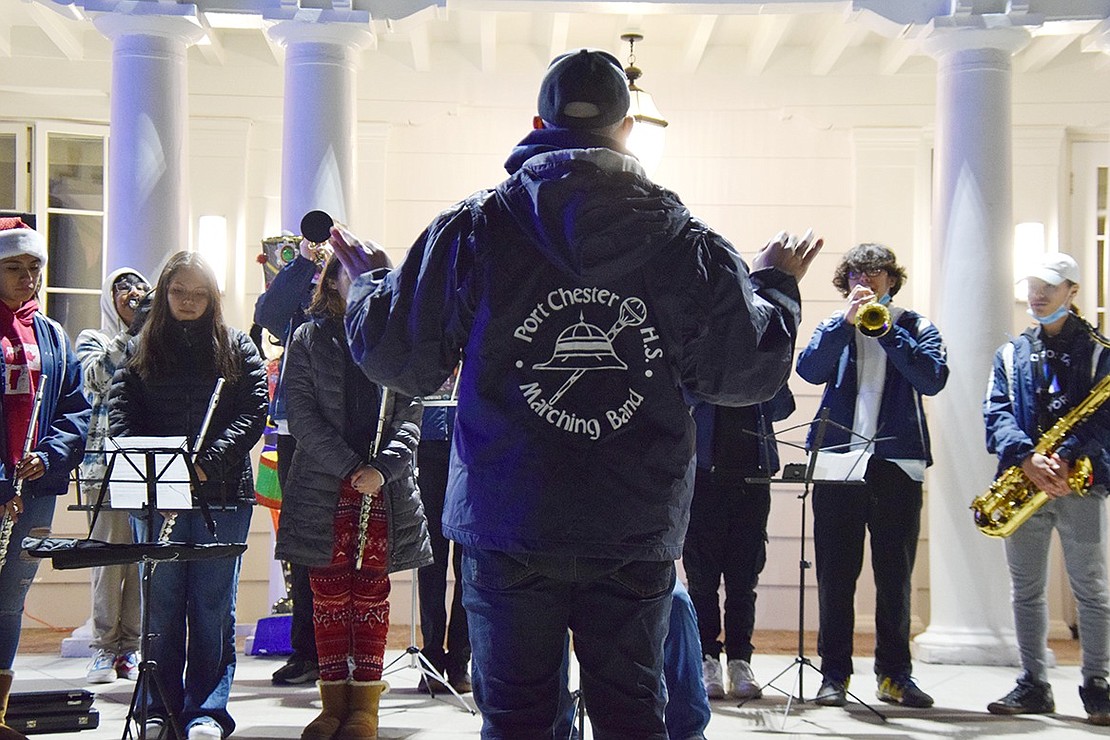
1010,408
63,418
916,366
777,409
584,299
280,310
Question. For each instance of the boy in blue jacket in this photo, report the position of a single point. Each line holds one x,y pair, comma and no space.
1038,378
873,391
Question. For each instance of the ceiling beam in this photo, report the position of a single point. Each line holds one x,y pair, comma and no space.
420,42
5,38
487,40
768,34
697,43
1041,51
65,36
560,32
210,46
837,39
894,54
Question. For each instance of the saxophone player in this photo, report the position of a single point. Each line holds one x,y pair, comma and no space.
874,383
1037,378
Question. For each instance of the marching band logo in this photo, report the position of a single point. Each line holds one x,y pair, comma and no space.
583,347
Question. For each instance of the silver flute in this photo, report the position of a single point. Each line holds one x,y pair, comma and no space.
28,444
364,508
171,516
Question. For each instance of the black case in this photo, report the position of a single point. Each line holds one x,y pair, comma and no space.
40,712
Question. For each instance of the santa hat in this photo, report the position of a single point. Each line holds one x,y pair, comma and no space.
18,238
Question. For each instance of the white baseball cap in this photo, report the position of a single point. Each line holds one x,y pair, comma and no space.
1054,268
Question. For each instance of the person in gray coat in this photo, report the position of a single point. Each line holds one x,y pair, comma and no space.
333,413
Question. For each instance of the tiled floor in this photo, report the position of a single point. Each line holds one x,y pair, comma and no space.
264,711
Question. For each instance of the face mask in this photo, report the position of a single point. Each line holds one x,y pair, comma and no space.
1056,315
885,300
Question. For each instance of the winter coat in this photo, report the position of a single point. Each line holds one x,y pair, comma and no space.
778,408
63,417
916,366
175,404
584,299
1010,407
316,373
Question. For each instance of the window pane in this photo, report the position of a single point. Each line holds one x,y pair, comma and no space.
7,172
74,312
74,251
76,171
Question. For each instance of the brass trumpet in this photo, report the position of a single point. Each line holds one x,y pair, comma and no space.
873,319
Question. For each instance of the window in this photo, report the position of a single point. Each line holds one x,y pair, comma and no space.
74,222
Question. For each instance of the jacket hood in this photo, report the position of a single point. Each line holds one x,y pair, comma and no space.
587,205
110,322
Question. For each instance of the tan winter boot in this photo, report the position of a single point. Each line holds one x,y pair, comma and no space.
7,733
333,695
362,720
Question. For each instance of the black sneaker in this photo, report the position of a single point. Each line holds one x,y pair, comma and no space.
430,686
1028,697
903,691
1095,693
833,692
296,672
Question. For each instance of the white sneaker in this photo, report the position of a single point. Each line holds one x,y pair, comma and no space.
742,681
205,729
127,665
102,669
711,676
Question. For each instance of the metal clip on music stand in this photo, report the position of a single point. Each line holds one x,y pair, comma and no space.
801,662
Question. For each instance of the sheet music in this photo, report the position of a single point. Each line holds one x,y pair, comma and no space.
128,488
841,466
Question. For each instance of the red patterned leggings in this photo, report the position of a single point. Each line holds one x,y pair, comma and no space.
350,608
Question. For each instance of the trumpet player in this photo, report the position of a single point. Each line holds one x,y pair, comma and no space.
1037,378
874,382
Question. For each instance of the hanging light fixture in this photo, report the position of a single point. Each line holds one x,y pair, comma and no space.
649,132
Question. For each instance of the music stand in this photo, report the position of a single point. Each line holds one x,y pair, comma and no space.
791,475
417,659
151,464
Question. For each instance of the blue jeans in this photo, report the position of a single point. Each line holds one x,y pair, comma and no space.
197,596
19,571
520,608
688,710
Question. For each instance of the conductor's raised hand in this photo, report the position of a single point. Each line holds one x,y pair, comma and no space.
790,253
357,256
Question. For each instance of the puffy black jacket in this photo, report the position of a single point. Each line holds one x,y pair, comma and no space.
316,373
175,404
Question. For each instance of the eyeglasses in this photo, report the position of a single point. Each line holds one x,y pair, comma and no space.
128,283
872,273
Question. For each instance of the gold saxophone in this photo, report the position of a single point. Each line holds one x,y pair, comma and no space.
1013,498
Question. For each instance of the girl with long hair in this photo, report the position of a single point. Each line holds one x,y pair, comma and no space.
333,412
164,390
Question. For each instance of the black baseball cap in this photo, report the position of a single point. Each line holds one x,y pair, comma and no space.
584,89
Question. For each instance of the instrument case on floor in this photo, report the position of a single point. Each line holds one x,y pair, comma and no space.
40,712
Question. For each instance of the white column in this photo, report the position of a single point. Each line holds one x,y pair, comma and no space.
147,185
319,139
970,621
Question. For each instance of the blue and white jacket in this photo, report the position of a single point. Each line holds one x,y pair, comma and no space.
585,299
63,418
778,408
280,310
1010,406
916,366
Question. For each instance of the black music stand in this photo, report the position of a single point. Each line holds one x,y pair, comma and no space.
151,464
417,659
804,474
